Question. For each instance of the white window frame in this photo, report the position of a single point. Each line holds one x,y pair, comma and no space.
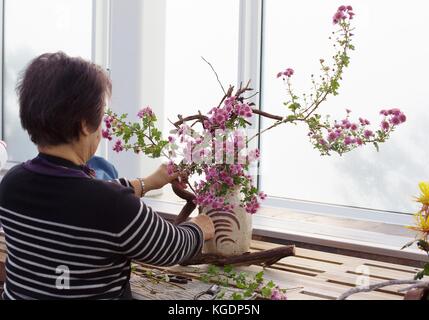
1,67
101,32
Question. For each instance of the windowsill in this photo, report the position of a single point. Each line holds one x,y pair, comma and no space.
343,234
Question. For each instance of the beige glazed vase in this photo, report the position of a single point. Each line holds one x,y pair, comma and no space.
233,230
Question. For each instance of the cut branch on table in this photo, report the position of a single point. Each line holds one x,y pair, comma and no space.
265,258
415,283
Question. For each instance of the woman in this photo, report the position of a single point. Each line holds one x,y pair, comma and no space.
68,235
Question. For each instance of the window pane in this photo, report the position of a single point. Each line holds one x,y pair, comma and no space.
32,28
388,69
195,29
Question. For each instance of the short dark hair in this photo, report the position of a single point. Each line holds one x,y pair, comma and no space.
57,93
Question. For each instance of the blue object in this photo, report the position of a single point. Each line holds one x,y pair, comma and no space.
104,170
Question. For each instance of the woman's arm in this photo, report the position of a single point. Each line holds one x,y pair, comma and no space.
149,238
155,181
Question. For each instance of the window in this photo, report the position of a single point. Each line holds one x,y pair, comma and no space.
196,29
30,29
388,69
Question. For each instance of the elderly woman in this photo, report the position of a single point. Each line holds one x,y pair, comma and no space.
68,235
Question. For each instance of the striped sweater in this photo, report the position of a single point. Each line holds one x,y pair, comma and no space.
75,237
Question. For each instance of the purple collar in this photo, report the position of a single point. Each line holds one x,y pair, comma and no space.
42,165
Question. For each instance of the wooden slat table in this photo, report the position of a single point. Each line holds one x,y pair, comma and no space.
312,274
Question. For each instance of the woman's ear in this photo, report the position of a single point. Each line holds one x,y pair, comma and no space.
86,130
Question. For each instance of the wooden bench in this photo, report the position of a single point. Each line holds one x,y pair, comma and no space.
312,275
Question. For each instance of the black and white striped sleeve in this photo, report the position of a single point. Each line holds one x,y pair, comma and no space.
123,182
149,238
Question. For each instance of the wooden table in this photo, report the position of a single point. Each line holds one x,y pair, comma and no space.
315,275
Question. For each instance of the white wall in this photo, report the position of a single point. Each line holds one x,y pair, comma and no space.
137,69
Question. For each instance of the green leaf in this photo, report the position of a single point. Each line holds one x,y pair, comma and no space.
419,275
266,292
213,270
424,272
237,296
426,269
294,106
248,293
409,244
227,269
259,277
221,295
291,118
423,245
205,278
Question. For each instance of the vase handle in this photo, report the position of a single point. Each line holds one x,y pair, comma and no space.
189,197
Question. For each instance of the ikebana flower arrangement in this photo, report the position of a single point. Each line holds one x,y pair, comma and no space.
213,148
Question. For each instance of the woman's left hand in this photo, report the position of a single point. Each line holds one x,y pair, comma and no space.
160,178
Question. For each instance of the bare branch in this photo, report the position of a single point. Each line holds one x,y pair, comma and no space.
217,76
267,115
377,286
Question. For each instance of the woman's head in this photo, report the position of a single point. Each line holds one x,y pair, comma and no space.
62,100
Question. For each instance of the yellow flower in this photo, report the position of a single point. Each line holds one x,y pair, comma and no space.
424,197
422,224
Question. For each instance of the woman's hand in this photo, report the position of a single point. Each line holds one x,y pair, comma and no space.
157,180
206,225
160,178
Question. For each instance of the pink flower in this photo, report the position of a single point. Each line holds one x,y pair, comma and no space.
108,121
236,169
332,136
385,125
368,134
287,73
338,16
145,112
395,120
118,147
252,206
171,139
254,155
262,196
354,127
348,140
364,122
341,14
277,294
106,135
171,168
394,112
402,118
